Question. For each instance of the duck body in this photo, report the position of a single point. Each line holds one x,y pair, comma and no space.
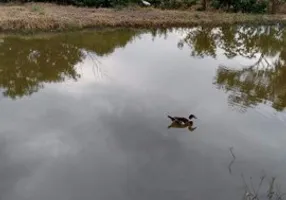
182,122
179,124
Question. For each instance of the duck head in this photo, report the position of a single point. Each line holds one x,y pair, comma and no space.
192,116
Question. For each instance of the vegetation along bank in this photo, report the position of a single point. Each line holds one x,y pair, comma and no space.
78,14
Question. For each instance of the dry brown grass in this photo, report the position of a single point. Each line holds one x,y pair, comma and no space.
48,17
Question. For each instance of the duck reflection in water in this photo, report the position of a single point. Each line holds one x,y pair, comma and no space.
182,122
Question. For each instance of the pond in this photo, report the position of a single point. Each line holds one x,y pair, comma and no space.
84,114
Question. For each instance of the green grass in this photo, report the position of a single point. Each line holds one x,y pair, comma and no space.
38,9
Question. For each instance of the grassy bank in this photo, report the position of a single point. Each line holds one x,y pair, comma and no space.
49,17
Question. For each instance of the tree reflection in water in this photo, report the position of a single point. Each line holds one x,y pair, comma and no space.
26,64
263,81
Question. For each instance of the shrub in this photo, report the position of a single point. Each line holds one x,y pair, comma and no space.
245,6
173,4
101,3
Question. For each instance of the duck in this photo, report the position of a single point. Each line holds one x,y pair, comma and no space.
180,124
182,120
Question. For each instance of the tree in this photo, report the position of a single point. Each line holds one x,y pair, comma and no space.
274,4
204,4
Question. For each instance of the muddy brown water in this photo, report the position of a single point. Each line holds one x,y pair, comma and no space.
84,115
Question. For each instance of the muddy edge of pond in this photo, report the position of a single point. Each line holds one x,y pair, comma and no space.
34,17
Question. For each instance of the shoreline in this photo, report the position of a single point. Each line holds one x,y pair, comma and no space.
46,17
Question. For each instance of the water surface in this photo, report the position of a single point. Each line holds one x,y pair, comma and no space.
84,114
